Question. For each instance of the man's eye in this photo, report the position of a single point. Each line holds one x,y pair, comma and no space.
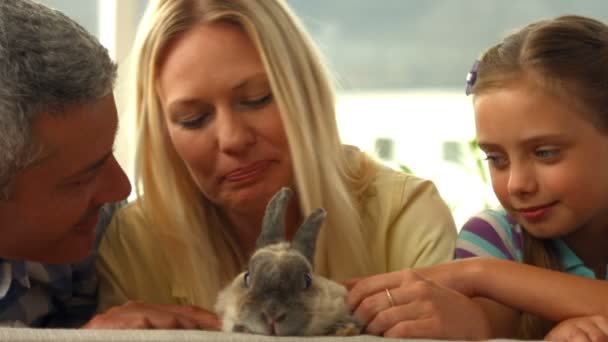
82,181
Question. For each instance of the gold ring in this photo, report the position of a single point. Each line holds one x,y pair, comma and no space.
391,301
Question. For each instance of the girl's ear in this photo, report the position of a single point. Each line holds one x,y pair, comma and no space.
306,237
273,225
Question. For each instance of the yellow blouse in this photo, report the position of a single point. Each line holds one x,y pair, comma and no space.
409,226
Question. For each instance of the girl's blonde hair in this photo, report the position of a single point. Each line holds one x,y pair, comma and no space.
325,176
568,56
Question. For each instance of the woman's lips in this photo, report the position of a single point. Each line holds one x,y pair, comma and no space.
248,172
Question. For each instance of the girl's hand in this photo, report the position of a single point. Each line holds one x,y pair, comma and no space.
420,308
590,328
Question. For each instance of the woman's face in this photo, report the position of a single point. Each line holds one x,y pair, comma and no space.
222,118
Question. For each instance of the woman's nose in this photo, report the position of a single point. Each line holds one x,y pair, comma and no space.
234,133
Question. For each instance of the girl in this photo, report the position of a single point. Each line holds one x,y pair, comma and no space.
541,115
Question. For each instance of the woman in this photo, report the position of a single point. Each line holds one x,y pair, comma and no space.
234,103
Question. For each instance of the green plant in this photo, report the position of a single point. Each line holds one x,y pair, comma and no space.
474,149
405,169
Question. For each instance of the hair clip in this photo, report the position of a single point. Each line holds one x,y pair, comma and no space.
471,78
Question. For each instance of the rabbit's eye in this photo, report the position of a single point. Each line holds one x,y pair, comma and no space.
307,280
246,279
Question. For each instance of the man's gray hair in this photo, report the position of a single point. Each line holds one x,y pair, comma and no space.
47,62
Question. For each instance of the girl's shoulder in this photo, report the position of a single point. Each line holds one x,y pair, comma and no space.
492,232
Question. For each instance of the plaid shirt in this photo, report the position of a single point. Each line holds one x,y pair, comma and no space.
43,295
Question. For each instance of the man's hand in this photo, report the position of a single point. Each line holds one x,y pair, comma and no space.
138,315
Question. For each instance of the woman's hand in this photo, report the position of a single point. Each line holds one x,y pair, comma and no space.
456,275
407,304
138,315
590,328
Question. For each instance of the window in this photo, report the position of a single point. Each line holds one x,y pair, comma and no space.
399,66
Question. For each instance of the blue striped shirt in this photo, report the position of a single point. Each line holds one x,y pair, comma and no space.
493,233
43,295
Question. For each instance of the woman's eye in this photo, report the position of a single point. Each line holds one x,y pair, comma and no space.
195,122
257,102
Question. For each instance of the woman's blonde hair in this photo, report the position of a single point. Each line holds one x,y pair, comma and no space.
567,56
324,174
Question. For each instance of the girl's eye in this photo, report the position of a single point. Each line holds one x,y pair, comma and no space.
257,102
307,280
195,122
546,153
246,279
496,161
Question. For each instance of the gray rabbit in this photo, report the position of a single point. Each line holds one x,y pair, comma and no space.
279,294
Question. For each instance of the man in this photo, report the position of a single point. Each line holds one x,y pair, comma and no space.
58,122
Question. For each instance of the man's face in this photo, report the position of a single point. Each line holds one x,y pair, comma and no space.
54,207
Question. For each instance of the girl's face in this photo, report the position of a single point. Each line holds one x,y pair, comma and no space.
548,162
222,118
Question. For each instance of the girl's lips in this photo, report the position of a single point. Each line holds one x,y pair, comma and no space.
248,172
536,213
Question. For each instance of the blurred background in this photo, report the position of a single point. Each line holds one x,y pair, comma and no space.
399,66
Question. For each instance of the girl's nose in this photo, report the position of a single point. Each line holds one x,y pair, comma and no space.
522,180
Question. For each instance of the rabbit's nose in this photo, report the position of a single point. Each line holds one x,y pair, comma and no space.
279,317
274,317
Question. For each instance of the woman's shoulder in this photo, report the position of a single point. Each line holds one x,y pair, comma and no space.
410,220
132,261
391,196
130,225
400,188
398,197
491,232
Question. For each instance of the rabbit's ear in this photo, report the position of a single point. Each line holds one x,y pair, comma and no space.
273,225
306,237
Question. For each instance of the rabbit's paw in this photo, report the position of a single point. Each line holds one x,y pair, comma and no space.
239,328
348,329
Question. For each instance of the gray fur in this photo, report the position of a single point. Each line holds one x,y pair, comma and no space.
273,224
280,285
306,236
47,62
